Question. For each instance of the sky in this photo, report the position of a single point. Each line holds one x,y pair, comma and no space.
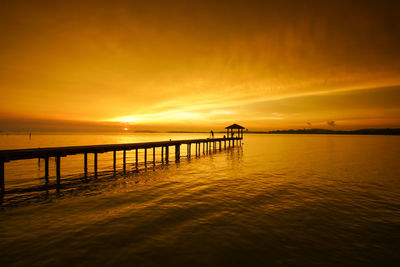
199,65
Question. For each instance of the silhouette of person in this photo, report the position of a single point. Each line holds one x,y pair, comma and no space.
212,134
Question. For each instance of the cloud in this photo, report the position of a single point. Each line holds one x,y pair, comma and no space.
331,123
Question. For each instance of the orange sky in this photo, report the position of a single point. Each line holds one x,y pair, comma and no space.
196,65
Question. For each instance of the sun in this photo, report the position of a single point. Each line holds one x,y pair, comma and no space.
126,129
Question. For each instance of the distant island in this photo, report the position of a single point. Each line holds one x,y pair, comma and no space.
388,131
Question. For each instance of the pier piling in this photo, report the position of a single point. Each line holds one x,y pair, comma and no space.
85,166
2,184
46,169
58,171
137,159
177,153
154,156
115,161
145,157
124,160
95,165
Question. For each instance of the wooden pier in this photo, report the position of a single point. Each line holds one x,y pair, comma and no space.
208,145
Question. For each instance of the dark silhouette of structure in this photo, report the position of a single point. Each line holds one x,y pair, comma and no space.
208,145
230,130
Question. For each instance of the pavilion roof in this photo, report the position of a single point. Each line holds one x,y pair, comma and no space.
235,126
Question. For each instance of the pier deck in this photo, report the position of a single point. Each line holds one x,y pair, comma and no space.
58,152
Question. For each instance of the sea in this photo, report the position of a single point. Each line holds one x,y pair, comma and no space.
291,200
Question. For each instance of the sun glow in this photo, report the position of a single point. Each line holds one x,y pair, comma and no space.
174,116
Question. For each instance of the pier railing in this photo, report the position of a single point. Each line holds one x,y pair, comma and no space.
208,144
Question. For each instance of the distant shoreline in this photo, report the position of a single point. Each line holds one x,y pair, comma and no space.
388,131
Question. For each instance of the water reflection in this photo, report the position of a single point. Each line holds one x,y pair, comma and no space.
291,200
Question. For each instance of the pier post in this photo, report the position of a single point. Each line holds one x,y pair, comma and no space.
177,152
203,148
2,183
46,169
85,165
145,157
115,161
154,155
188,150
220,145
124,160
137,159
58,171
167,154
95,165
162,154
224,144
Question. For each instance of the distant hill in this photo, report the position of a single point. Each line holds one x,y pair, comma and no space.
326,131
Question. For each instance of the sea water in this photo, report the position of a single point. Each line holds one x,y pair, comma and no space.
277,199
